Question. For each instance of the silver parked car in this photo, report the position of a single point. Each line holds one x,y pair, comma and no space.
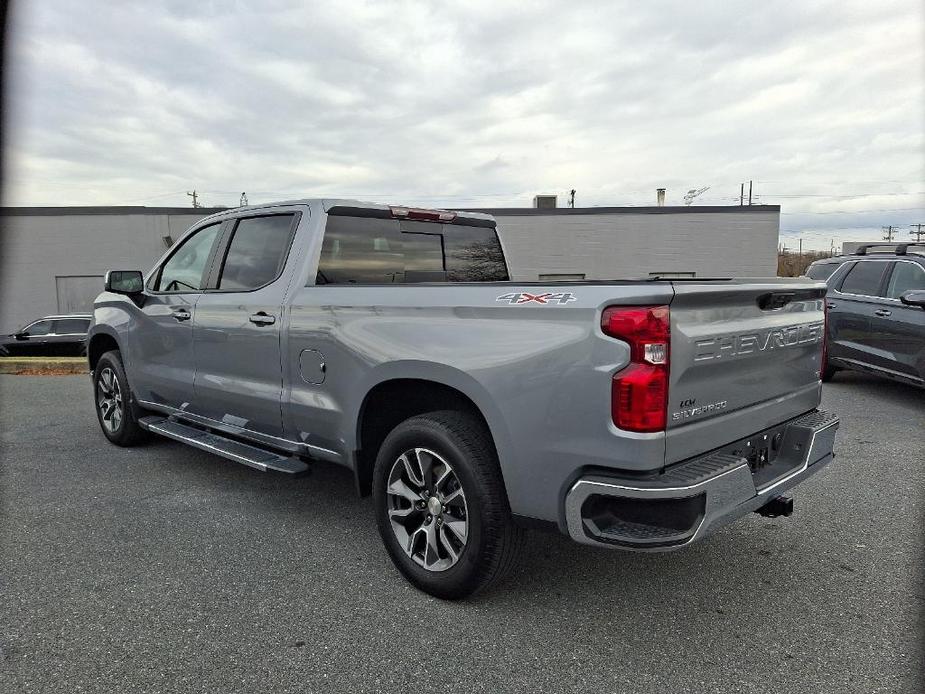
633,414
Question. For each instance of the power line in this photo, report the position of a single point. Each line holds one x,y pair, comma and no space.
918,233
840,196
156,196
882,209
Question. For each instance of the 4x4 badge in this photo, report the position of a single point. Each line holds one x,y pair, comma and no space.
527,298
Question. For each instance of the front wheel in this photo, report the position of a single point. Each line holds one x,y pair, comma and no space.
440,504
115,406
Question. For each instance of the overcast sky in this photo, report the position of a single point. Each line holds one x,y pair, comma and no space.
822,104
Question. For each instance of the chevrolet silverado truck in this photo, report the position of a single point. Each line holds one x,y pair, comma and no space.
633,414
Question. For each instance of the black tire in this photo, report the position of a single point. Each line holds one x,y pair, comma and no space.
828,371
493,541
126,432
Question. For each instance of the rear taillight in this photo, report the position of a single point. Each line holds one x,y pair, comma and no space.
639,392
422,215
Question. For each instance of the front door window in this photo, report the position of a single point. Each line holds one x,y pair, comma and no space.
185,270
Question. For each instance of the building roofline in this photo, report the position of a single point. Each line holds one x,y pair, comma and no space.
674,209
497,211
115,209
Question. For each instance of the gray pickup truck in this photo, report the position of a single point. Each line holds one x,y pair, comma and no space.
635,414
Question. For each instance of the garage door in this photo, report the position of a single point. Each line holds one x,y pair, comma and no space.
77,292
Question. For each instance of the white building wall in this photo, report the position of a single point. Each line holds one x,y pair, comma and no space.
625,244
40,246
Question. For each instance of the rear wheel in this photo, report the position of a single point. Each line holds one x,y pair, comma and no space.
115,406
440,505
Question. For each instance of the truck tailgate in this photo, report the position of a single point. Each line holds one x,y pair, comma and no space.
745,355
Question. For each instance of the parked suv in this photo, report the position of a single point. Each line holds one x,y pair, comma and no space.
49,336
636,414
876,313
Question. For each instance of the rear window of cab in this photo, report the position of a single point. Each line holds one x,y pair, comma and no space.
368,250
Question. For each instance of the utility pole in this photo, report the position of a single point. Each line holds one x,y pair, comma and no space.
741,195
195,198
801,246
888,232
749,192
918,233
243,201
571,199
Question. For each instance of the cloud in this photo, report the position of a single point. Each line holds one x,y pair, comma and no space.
474,104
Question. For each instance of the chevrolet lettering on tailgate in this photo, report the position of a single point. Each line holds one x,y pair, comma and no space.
729,346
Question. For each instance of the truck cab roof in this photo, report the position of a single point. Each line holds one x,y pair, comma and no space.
327,204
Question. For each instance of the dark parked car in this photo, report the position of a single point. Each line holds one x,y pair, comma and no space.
876,312
49,336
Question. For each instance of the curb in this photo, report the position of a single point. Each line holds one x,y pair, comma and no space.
52,366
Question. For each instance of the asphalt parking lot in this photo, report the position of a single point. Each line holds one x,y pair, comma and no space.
162,568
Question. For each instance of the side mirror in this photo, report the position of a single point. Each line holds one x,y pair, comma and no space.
125,282
914,297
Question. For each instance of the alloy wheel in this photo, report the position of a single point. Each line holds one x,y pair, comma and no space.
109,400
427,509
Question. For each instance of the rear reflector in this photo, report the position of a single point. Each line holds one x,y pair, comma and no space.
422,215
639,395
639,392
825,336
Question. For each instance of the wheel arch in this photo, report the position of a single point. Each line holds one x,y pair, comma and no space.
400,393
99,342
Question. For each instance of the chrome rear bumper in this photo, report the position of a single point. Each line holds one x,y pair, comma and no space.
693,498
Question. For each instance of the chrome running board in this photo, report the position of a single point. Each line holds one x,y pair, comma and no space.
252,456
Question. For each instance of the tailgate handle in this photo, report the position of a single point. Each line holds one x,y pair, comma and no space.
772,301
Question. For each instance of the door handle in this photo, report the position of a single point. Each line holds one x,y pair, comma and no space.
883,312
830,305
181,314
261,318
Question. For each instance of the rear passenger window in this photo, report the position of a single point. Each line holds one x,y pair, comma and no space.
257,252
864,278
905,276
367,250
71,326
